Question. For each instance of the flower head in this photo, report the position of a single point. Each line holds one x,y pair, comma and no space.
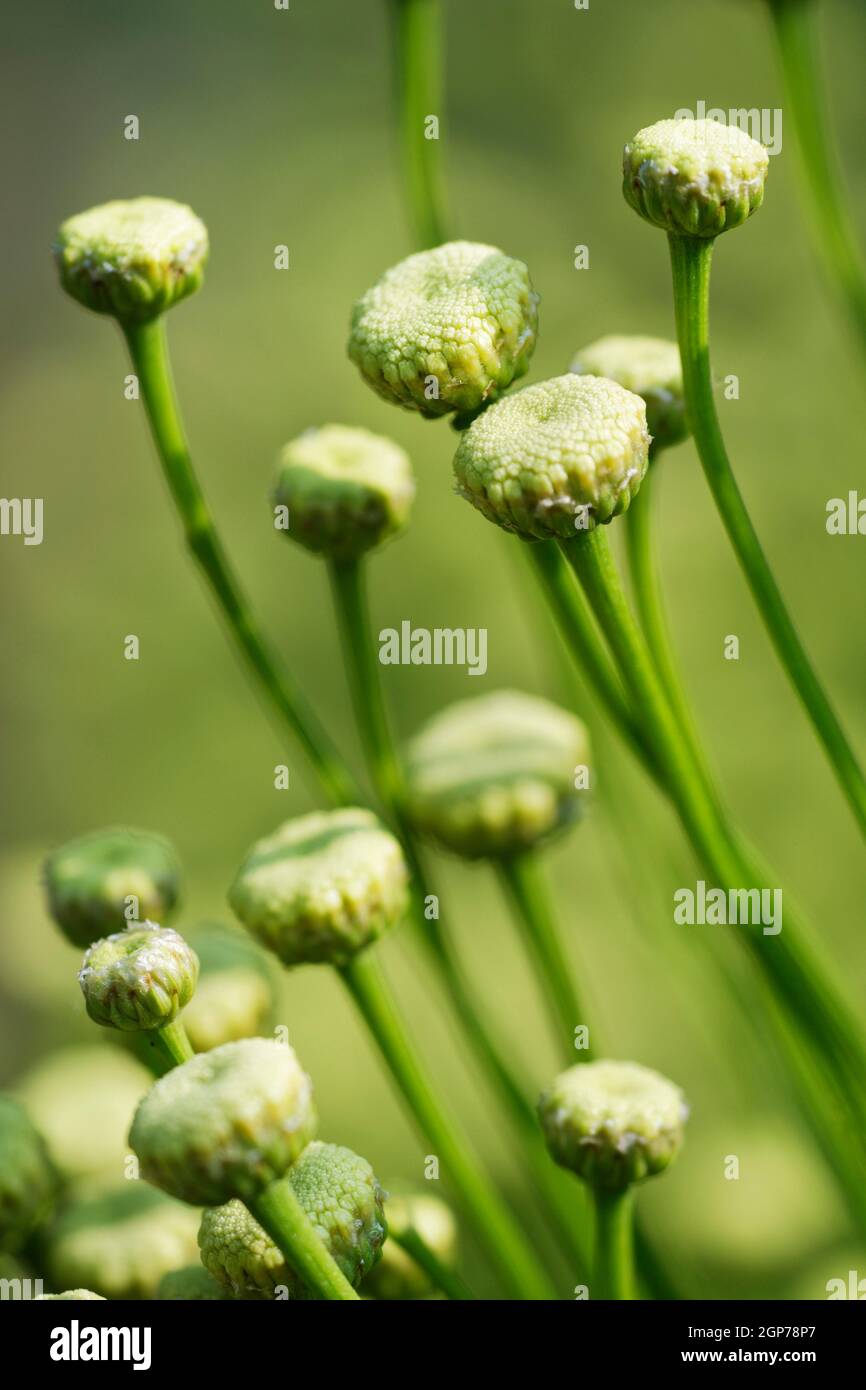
496,774
70,1296
322,887
28,1181
138,979
555,458
133,258
397,1276
694,178
225,1124
347,490
235,991
191,1284
613,1123
649,367
446,330
94,882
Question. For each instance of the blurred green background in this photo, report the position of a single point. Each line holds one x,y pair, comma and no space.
278,128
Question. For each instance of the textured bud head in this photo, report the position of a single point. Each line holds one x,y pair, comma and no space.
91,880
446,330
139,978
556,458
343,1200
694,178
234,996
28,1182
347,490
494,775
613,1123
322,887
192,1284
122,1242
649,367
225,1124
70,1296
133,258
397,1276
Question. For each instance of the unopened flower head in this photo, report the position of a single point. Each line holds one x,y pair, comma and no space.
322,887
133,258
28,1181
397,1275
70,1296
496,774
340,1194
235,993
121,1243
613,1123
94,882
446,330
694,178
226,1124
138,979
191,1284
556,458
346,490
651,368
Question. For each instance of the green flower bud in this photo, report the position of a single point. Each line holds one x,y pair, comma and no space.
71,1295
397,1276
347,490
139,978
555,458
651,368
322,887
447,329
122,1242
133,258
28,1182
226,1124
694,178
493,775
341,1196
234,996
613,1123
192,1284
92,882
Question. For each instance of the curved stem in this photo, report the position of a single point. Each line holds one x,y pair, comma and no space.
278,1210
514,1257
613,1265
417,40
149,351
443,1278
799,47
691,260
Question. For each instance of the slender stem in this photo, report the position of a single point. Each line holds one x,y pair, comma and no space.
162,1049
691,259
441,1276
613,1265
278,1210
417,39
533,911
149,351
514,1257
798,40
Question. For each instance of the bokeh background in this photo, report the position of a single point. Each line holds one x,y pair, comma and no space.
278,128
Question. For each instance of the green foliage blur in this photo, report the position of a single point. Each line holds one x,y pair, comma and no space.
277,127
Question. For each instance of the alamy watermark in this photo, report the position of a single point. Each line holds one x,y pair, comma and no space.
762,123
22,516
716,907
438,646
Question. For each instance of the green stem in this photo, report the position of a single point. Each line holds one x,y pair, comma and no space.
149,351
533,912
443,1278
514,1257
162,1049
417,39
278,1210
691,259
613,1265
799,45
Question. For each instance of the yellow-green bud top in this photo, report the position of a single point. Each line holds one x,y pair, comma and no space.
138,979
694,177
649,367
96,881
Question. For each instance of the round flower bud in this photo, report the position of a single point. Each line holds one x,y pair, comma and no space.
495,774
447,329
94,882
235,994
139,978
651,368
341,1196
226,1124
121,1242
322,887
28,1182
397,1276
192,1284
694,178
71,1296
133,258
613,1123
346,490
